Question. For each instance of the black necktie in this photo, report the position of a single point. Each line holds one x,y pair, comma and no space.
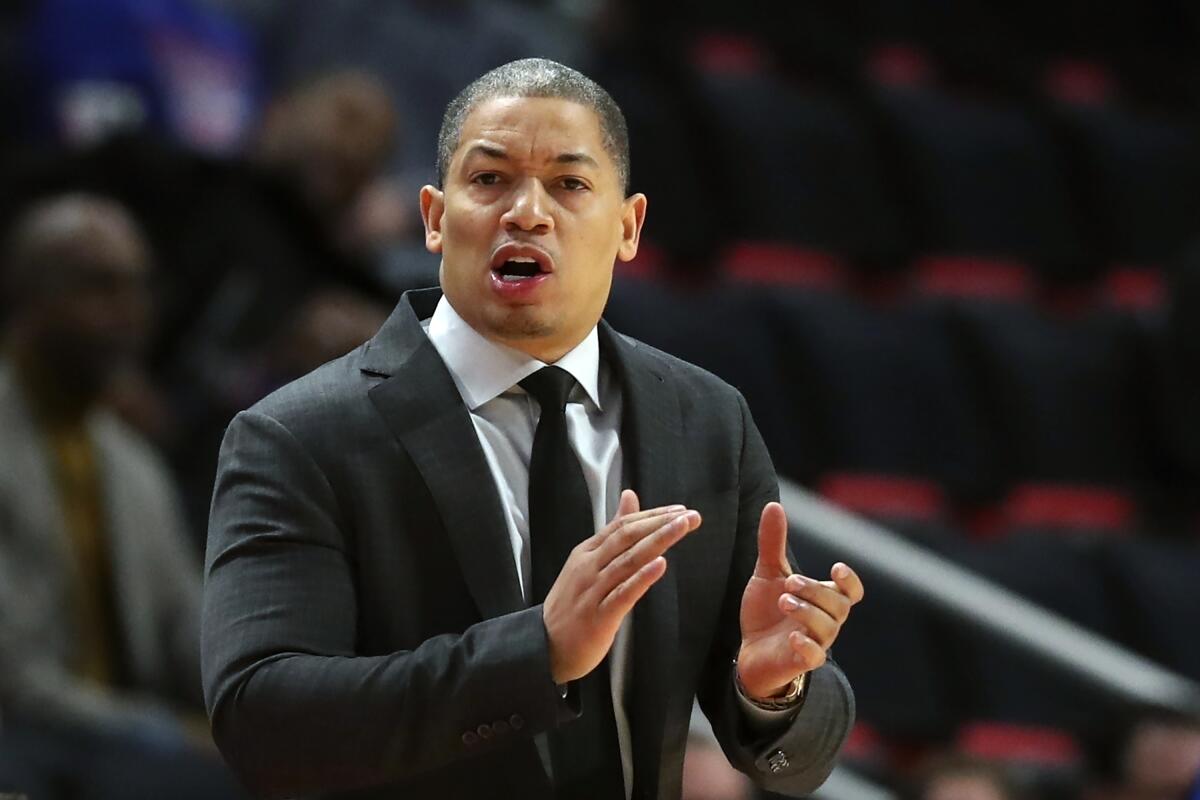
584,753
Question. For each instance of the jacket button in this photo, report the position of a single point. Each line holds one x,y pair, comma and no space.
500,727
484,731
470,738
517,722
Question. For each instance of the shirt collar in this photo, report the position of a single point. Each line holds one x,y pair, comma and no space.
483,370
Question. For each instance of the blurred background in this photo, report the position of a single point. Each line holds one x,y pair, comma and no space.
949,251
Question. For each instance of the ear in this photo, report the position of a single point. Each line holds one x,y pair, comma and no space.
632,217
433,205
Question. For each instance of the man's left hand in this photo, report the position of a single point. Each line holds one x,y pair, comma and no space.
788,620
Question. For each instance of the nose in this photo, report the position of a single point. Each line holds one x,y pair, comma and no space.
530,209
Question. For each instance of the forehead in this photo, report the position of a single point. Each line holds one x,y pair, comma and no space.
535,127
107,246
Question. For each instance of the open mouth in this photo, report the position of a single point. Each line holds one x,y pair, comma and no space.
515,263
518,268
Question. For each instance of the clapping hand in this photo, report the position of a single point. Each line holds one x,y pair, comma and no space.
604,578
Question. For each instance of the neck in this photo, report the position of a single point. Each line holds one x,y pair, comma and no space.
51,394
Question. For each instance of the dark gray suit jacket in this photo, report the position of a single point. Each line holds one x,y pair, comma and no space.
363,618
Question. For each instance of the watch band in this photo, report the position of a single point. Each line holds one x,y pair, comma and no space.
788,700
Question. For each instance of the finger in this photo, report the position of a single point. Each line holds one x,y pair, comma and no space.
632,529
826,596
814,622
772,543
619,523
628,504
806,653
624,596
647,548
848,581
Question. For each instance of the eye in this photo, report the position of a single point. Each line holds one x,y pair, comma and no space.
486,179
573,184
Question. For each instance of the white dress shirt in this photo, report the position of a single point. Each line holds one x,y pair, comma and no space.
505,417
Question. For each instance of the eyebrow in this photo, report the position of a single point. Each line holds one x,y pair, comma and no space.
561,158
576,158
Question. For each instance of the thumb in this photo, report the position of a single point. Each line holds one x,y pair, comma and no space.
772,543
628,504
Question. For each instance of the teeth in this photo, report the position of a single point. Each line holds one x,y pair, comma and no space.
523,260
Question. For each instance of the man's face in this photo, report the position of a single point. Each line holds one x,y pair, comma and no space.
95,316
529,224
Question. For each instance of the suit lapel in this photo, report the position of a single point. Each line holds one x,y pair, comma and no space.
424,410
652,447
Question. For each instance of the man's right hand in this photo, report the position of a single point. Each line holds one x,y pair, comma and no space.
603,579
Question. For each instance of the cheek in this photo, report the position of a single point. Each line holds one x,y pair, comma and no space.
81,313
468,236
463,246
591,287
466,223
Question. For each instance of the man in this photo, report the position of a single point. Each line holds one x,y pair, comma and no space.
413,592
99,596
1159,757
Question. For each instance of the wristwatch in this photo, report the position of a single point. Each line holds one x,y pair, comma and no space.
784,702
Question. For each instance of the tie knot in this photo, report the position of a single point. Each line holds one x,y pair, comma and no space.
550,386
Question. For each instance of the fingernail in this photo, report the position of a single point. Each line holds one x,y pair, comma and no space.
798,581
840,571
790,602
676,508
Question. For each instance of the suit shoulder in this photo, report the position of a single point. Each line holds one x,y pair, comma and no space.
687,375
334,391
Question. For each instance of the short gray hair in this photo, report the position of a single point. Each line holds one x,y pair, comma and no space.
537,77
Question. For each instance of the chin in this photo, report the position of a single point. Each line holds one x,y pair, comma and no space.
519,322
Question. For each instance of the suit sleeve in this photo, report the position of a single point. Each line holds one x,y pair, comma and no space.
796,756
294,709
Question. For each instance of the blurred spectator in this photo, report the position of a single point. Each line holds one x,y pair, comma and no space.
171,67
98,592
424,51
1162,759
267,231
1156,757
959,777
330,324
707,774
245,242
330,138
265,238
